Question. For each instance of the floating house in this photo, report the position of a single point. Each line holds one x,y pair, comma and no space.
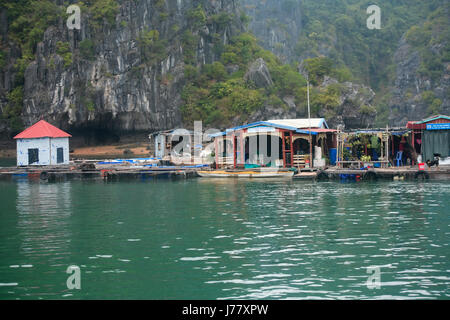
42,144
431,136
276,143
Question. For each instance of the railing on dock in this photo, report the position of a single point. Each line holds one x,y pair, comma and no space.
225,162
300,160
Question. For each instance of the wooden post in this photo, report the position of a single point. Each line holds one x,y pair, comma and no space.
242,148
392,140
233,137
387,146
338,146
292,148
283,148
216,148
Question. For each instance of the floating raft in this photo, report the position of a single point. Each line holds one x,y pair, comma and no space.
111,173
91,171
396,173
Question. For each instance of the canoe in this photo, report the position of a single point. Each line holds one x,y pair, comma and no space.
245,174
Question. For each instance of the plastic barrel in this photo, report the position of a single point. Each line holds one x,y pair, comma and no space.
333,154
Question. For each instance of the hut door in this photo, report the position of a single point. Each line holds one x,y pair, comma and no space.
59,155
287,149
33,156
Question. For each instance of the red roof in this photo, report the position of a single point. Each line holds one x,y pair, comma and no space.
422,125
42,129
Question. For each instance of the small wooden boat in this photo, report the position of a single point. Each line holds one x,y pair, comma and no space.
246,174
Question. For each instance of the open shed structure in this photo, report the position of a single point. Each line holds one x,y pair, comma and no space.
277,143
42,144
431,136
359,147
166,141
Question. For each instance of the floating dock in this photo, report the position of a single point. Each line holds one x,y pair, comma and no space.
65,173
401,173
91,171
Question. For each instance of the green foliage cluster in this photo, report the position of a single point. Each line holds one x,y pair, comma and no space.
63,49
243,49
159,4
87,97
2,59
28,20
436,30
196,17
220,102
13,110
367,110
189,42
27,23
153,49
102,11
338,29
322,100
221,19
217,97
87,49
319,67
434,104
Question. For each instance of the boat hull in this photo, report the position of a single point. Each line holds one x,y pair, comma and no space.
246,174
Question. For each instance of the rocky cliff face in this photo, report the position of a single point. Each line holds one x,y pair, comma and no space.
415,95
123,76
276,23
126,72
417,88
354,108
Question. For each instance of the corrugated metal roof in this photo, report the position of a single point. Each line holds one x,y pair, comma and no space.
301,123
42,129
288,124
433,118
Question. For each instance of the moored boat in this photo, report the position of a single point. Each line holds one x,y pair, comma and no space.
246,174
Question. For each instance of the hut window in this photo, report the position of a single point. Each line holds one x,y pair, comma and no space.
59,155
33,156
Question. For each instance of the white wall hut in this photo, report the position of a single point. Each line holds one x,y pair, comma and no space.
42,144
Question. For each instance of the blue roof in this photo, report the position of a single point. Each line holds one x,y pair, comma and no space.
264,123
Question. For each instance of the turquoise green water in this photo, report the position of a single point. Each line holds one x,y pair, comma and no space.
224,239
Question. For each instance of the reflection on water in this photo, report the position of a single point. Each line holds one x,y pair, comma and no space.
225,239
39,231
43,211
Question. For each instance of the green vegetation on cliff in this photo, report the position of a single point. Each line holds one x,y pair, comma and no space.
27,22
218,97
334,41
432,40
338,30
